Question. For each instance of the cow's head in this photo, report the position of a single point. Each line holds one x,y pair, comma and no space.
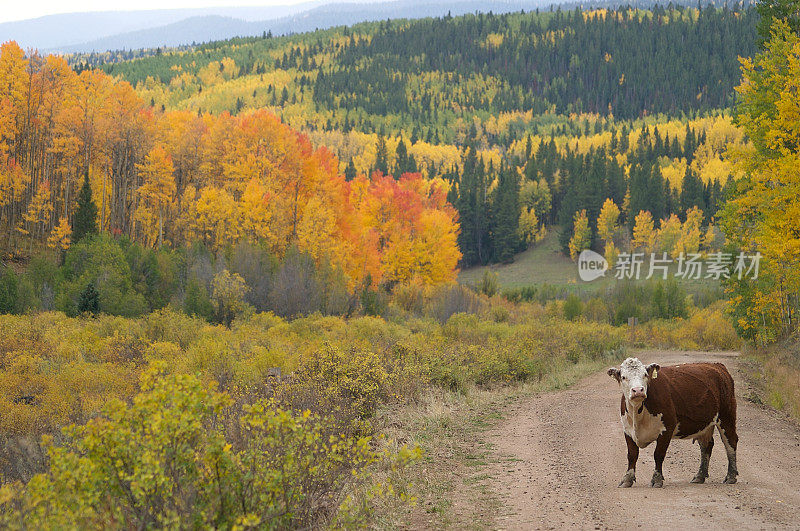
633,376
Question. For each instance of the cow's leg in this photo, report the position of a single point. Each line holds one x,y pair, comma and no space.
705,455
662,443
633,456
727,432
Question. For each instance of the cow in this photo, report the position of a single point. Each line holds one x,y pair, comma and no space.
683,401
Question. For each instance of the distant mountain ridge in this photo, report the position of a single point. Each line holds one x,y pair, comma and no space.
101,31
71,29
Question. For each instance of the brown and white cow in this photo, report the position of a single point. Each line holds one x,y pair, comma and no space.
683,401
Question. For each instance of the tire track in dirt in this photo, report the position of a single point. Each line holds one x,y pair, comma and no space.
559,457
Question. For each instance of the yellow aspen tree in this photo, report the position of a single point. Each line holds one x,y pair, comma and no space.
608,220
644,232
689,241
669,234
60,235
581,235
611,253
764,214
214,218
709,238
156,192
255,213
528,226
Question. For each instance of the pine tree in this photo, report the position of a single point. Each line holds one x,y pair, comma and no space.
84,223
350,172
402,163
89,300
691,192
472,210
382,156
506,216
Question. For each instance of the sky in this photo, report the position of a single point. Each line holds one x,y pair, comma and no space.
21,10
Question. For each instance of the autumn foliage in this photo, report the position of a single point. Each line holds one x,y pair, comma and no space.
171,178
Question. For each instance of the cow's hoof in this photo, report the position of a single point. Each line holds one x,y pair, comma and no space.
627,479
657,481
699,478
729,480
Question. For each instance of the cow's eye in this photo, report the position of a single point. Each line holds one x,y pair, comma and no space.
624,377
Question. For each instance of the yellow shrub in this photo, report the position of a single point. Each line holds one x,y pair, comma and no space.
356,377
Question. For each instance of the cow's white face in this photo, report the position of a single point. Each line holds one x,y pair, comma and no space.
633,376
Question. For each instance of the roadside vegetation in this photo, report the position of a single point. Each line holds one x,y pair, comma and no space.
165,418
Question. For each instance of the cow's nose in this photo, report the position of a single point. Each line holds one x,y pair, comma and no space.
637,392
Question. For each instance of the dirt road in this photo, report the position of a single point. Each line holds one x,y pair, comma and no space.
561,455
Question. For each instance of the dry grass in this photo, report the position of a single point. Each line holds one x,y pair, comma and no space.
452,484
779,375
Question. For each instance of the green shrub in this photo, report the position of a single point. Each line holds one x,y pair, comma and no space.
488,284
8,291
196,301
573,307
449,300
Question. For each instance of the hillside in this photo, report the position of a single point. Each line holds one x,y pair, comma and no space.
493,106
465,97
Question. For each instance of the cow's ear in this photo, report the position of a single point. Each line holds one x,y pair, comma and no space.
652,370
614,373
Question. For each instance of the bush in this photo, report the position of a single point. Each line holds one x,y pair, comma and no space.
488,284
257,266
573,307
177,457
196,301
523,294
668,300
596,310
374,300
155,274
354,378
409,297
89,300
8,291
43,277
449,300
228,295
706,329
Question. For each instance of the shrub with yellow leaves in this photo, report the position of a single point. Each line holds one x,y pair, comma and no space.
176,457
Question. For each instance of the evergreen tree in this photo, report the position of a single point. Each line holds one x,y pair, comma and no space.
382,156
84,223
506,216
691,193
350,172
402,161
472,210
89,300
639,190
